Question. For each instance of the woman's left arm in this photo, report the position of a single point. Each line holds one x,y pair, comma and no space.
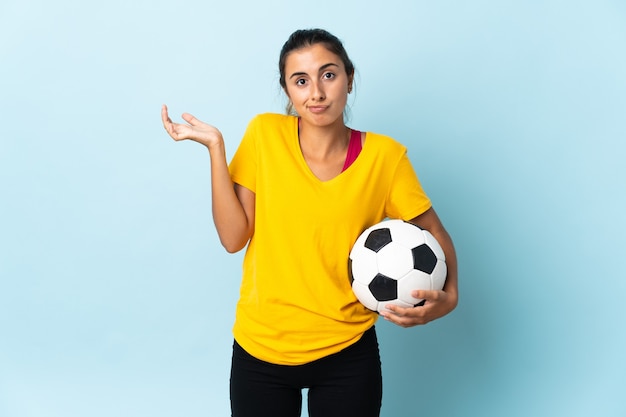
438,303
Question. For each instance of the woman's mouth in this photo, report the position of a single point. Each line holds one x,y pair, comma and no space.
317,109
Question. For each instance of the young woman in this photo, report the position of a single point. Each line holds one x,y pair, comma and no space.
299,190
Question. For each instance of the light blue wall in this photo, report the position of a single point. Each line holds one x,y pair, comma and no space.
116,298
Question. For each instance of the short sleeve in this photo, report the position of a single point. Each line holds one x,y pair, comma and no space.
406,199
243,166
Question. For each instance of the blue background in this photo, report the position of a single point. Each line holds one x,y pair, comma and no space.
116,298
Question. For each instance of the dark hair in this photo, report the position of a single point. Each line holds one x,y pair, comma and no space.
308,37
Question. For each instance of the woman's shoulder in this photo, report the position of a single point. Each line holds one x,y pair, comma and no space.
272,128
384,142
272,119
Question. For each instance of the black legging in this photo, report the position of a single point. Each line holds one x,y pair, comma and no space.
346,384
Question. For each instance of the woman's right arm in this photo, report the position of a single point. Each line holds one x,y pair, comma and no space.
232,204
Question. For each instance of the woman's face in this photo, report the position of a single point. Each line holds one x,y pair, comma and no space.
317,84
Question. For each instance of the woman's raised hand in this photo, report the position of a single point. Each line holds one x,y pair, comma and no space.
195,130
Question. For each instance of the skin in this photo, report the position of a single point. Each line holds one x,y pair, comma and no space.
318,86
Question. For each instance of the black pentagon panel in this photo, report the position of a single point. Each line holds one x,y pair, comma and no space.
424,259
378,239
384,288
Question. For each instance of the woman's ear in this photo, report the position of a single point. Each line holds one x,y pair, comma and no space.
289,107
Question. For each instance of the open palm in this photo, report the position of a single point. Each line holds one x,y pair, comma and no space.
194,129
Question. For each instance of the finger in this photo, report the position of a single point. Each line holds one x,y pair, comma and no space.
406,312
167,122
170,127
429,295
394,310
164,116
399,319
191,119
407,318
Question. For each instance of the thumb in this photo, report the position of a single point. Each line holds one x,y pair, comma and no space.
422,294
191,119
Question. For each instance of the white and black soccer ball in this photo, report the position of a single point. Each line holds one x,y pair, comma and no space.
391,259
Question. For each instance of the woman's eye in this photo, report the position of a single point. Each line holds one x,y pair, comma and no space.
328,75
300,81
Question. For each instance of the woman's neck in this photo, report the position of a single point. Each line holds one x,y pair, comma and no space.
324,148
323,141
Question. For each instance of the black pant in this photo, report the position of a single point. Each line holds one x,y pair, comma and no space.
346,384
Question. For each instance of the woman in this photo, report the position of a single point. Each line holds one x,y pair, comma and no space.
299,190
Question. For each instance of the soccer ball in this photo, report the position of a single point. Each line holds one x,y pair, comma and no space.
391,259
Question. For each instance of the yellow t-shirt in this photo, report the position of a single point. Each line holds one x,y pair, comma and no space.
296,304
